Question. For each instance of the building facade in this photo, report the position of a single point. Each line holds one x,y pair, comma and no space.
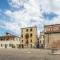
52,36
9,41
41,40
28,37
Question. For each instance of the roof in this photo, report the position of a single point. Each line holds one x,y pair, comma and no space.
8,34
29,27
53,25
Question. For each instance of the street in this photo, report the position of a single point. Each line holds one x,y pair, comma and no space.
27,54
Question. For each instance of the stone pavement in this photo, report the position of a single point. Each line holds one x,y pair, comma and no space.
27,54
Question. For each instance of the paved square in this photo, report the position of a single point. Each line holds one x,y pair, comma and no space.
27,54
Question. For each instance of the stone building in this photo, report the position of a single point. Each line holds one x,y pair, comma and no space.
9,41
28,37
52,36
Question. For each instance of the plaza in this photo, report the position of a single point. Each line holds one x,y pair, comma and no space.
27,54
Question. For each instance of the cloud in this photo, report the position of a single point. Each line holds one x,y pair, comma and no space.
17,4
29,13
49,15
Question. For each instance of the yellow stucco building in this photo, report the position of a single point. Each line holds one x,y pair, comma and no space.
28,37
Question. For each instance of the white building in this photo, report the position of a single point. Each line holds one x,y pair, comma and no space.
9,41
41,40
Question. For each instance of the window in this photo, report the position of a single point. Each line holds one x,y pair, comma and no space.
7,38
22,35
22,40
50,28
26,36
1,39
31,40
6,45
31,29
22,46
27,42
31,45
10,45
31,35
1,45
26,30
40,41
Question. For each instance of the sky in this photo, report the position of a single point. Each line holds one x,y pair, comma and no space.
17,14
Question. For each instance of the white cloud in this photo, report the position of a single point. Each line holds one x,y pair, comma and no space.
31,12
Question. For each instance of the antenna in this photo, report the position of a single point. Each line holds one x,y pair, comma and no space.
40,7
